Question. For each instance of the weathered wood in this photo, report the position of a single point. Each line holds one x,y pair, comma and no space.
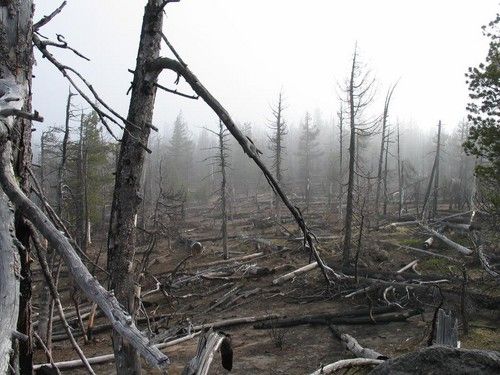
346,363
351,344
408,266
362,317
447,241
9,281
446,329
127,191
289,276
208,344
67,365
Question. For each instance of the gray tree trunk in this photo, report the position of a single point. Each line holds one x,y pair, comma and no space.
16,59
346,254
126,197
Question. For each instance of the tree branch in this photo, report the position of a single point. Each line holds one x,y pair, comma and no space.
248,147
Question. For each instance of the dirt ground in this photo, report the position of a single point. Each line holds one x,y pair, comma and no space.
301,349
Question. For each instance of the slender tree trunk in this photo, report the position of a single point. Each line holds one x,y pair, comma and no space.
223,190
400,179
346,255
80,172
341,159
126,197
385,117
385,174
436,173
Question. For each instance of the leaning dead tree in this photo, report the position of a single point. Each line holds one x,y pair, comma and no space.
384,136
433,179
178,66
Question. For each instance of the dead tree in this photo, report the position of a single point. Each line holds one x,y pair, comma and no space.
436,173
340,115
386,171
45,299
16,58
400,176
358,89
435,167
126,197
220,160
178,66
308,152
279,130
384,136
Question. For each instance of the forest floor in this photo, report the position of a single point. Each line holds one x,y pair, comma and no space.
191,293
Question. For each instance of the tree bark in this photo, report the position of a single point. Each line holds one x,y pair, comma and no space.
126,197
16,59
346,252
9,282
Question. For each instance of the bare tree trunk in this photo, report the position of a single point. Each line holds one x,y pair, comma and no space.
45,299
385,174
382,145
346,254
9,282
223,192
16,59
126,197
435,166
436,173
400,180
341,159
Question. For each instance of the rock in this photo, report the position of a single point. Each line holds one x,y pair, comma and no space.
442,360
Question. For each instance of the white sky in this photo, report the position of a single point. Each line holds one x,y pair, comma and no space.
245,51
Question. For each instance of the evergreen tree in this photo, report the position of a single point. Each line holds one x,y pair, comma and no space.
484,134
180,152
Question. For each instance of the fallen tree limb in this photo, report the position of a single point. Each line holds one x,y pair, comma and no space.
235,321
338,318
447,241
351,344
67,365
291,275
346,363
121,320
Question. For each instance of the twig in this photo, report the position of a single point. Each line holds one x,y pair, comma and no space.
46,19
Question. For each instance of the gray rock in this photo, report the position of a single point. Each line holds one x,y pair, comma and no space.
442,360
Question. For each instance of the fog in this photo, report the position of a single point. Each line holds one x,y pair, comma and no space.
245,52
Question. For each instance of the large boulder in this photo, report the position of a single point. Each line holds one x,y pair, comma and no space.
442,360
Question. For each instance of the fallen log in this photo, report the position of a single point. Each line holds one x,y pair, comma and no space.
447,241
291,275
408,266
347,363
235,321
351,344
66,365
327,319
